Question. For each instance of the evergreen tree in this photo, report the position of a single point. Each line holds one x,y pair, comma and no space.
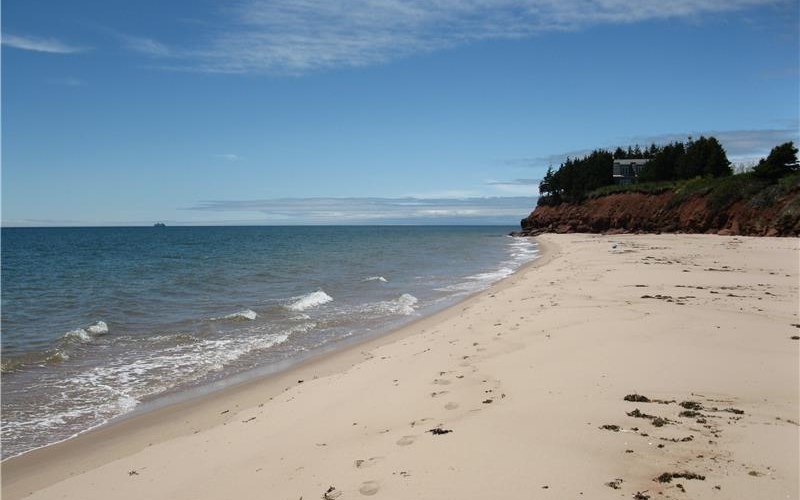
782,160
663,166
705,156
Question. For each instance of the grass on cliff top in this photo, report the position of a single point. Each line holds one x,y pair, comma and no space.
645,187
722,192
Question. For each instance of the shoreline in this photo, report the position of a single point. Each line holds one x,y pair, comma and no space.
155,418
525,374
89,379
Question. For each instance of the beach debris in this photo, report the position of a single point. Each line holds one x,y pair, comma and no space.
248,420
615,484
224,412
735,411
438,431
609,427
660,422
795,337
133,473
678,440
690,414
487,401
656,421
638,398
669,476
691,405
641,495
636,413
331,493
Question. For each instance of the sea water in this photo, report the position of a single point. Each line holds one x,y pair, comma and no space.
99,321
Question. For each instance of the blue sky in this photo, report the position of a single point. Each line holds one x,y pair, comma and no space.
368,111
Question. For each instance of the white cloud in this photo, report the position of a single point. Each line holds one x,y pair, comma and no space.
298,36
146,46
49,45
516,187
229,157
491,210
67,81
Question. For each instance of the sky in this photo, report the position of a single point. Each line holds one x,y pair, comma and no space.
366,111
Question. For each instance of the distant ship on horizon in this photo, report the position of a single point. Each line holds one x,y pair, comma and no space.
159,224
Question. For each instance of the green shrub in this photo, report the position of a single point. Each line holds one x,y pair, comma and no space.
699,186
647,188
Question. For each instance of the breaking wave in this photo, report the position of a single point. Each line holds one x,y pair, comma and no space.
313,299
404,305
87,334
245,315
375,278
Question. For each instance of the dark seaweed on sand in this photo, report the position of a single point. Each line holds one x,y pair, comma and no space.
669,476
438,431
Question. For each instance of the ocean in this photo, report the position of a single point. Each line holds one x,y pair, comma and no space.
97,322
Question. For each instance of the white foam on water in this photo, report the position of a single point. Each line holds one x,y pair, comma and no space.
98,328
404,305
313,299
376,278
520,251
246,315
84,335
79,334
94,396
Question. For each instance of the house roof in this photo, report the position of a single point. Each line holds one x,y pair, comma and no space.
631,161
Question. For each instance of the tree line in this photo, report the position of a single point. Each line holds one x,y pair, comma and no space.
703,157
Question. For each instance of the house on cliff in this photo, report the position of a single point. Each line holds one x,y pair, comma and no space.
627,171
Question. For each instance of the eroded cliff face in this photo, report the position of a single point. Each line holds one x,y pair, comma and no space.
654,213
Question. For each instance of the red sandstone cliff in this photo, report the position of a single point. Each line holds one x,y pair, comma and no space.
652,213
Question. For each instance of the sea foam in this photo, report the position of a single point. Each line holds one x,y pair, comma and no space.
404,305
84,335
313,299
245,315
376,278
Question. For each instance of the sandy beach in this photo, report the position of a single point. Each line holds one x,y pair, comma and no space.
627,366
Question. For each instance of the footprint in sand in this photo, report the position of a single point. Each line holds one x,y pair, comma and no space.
406,440
361,464
369,488
451,406
441,381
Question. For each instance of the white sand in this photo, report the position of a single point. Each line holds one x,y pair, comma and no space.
524,374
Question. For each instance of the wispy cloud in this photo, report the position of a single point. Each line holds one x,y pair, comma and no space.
229,157
514,182
492,210
66,81
146,46
299,36
36,44
518,187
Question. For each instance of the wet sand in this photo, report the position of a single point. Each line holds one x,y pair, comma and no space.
615,366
